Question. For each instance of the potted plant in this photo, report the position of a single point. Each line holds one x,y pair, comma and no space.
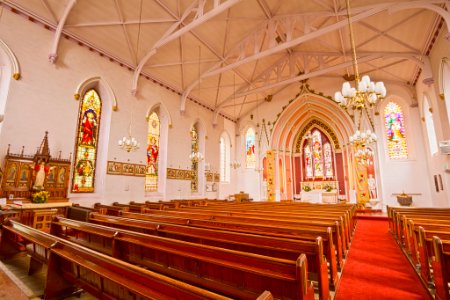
40,197
307,188
327,187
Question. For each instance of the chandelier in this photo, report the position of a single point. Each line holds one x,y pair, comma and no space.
235,164
366,93
196,156
129,143
362,139
363,155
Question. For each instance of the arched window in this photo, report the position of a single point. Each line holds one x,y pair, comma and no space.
395,130
86,145
225,158
250,159
328,159
429,124
151,176
318,158
317,154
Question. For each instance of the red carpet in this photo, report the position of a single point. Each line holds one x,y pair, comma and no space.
376,268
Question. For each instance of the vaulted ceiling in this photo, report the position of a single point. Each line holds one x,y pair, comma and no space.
229,55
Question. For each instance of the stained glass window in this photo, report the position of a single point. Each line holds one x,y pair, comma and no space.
395,130
327,154
317,153
250,149
318,158
151,176
224,158
87,143
194,166
308,161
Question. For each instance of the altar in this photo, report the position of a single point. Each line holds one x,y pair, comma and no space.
319,196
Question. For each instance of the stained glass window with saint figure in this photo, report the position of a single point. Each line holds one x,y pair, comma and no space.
395,131
83,178
250,149
151,175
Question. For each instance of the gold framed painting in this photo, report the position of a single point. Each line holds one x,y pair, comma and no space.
114,168
128,169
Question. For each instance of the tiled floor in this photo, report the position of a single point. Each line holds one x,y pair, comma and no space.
16,284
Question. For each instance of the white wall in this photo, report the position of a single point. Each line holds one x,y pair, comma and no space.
43,100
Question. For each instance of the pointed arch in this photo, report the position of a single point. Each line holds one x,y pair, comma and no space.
8,65
93,81
444,84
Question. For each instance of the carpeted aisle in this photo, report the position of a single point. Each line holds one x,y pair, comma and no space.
376,268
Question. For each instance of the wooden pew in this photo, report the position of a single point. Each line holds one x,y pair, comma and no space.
232,273
109,209
336,223
269,246
441,268
297,232
71,265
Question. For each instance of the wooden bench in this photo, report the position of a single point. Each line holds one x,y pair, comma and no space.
441,268
269,246
109,209
71,265
340,230
303,233
232,273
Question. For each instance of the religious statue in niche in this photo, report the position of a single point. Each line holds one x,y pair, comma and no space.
41,170
89,128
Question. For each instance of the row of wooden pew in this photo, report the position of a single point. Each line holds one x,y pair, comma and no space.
298,224
237,251
424,234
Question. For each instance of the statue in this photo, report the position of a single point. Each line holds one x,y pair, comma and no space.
41,170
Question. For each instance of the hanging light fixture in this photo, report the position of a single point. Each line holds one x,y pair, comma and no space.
235,164
196,156
366,93
129,143
360,98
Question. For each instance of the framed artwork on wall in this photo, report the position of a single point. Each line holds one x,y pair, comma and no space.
128,169
114,167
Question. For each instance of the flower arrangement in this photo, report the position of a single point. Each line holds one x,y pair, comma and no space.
40,197
327,188
307,188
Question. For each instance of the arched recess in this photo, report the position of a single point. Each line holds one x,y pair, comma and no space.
293,120
9,68
200,127
109,102
165,123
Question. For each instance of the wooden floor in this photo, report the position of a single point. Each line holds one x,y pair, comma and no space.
16,284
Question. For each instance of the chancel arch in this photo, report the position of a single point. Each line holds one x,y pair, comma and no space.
337,126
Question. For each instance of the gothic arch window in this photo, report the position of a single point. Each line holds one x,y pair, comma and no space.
429,124
317,154
153,137
395,131
86,145
225,158
250,158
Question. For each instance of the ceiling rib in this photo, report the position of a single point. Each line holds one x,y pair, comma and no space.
171,34
54,49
